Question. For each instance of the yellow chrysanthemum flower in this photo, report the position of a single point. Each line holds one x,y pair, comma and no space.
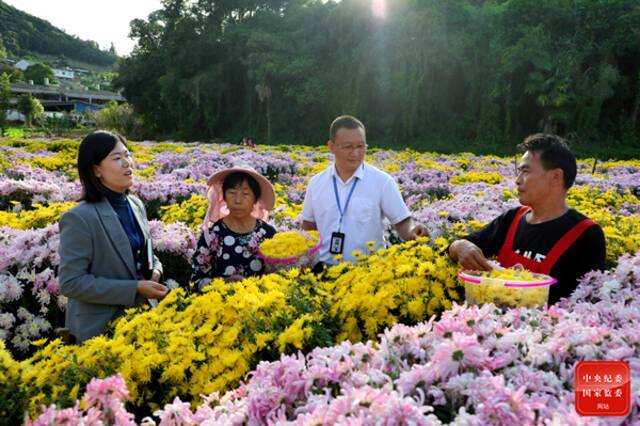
289,244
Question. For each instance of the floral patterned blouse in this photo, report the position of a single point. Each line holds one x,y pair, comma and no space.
229,253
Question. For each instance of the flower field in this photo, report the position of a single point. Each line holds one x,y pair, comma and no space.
386,341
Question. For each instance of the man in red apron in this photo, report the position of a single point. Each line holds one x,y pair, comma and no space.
544,235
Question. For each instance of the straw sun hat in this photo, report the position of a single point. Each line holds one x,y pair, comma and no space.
218,207
267,193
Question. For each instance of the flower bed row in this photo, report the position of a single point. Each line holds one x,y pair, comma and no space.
31,304
473,366
193,345
196,345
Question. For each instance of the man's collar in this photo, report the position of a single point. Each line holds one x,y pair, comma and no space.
359,173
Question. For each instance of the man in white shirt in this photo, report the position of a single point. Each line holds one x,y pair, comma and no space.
348,201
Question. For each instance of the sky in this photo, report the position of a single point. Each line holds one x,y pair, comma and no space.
98,20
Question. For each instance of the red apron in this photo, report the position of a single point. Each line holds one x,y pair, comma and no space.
508,258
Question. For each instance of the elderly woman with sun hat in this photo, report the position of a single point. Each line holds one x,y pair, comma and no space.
234,226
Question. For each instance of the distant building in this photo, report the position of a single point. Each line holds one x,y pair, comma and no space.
13,115
81,107
64,73
81,72
23,64
56,99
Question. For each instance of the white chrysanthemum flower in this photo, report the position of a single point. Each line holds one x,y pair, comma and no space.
7,320
62,302
10,288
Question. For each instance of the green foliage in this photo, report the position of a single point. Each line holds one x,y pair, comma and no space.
5,94
120,118
15,75
58,124
23,33
3,51
100,81
487,72
30,107
15,132
14,399
38,72
176,268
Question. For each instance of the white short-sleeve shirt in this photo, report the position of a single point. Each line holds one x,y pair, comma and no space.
375,197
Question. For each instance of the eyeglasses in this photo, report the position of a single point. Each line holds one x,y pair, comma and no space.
351,148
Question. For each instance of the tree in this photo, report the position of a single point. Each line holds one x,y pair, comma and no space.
24,33
5,94
30,107
61,62
38,72
118,117
479,71
3,50
15,75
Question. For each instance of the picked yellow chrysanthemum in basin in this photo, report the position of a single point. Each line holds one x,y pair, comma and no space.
289,244
509,274
507,287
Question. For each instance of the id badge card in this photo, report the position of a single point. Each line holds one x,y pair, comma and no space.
336,245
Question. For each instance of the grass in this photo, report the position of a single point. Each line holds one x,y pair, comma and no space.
14,132
44,132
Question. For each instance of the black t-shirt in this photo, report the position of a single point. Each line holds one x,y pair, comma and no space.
587,253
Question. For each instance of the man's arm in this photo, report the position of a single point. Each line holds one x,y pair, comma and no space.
395,209
307,215
472,251
408,231
309,226
469,255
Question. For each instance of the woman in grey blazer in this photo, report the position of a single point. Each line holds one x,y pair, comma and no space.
106,260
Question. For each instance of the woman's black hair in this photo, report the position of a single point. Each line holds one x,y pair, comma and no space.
93,149
235,179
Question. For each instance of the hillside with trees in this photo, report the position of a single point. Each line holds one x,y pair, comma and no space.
22,34
479,71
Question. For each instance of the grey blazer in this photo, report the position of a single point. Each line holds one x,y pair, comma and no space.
97,270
